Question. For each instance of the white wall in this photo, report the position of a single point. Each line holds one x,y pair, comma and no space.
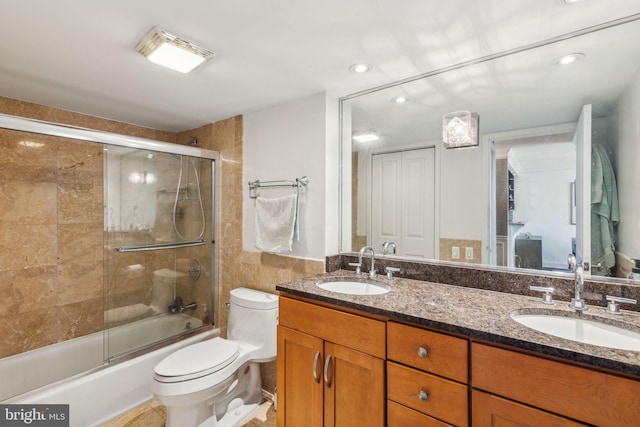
461,194
289,141
538,196
627,156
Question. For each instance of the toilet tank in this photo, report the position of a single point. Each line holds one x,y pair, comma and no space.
253,319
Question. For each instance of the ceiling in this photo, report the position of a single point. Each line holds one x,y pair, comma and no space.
80,55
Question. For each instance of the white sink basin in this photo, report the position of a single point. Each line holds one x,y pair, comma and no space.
581,330
353,287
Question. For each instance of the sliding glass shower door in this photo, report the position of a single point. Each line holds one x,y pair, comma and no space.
158,251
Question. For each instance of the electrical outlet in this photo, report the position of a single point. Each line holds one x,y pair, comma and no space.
455,252
468,252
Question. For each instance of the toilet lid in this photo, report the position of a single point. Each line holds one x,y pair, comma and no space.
197,360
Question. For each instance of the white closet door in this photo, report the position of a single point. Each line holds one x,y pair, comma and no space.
403,202
386,199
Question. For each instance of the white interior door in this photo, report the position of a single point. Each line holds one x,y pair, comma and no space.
403,202
582,140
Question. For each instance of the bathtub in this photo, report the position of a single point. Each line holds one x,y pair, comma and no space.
101,394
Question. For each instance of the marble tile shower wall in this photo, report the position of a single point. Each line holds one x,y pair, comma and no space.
33,312
51,229
51,256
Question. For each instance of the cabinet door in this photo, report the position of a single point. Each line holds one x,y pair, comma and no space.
492,411
354,388
299,379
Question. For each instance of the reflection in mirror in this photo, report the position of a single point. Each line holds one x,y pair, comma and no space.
524,198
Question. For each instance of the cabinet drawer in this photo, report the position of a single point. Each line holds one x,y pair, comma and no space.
401,416
579,393
489,410
353,331
445,355
446,400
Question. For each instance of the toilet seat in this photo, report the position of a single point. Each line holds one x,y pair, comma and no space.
197,360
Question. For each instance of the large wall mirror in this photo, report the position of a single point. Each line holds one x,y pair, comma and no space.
555,171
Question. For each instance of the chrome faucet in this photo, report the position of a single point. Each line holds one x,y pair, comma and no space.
577,303
372,271
191,306
386,245
178,307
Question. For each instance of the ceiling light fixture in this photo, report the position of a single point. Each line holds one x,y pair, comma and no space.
171,51
460,129
359,68
366,136
568,59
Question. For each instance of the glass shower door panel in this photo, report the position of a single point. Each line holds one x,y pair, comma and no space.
158,247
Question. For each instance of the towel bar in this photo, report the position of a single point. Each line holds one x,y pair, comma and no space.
254,185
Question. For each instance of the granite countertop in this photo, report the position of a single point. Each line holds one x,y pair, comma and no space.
478,314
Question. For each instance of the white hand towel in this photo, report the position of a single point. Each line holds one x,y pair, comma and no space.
276,223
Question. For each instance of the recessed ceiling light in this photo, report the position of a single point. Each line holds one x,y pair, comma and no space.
568,59
171,51
359,68
366,136
570,1
399,99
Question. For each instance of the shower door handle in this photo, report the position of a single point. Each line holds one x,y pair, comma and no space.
327,362
316,377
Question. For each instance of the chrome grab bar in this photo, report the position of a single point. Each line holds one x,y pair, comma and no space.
158,246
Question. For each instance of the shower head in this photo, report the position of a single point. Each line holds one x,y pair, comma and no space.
193,141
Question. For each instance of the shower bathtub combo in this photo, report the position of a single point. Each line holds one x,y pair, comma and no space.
158,229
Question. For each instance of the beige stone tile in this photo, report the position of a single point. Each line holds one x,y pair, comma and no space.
249,275
79,319
80,242
28,331
447,244
79,281
26,202
80,203
80,162
11,297
42,112
275,261
34,288
306,267
27,157
146,415
24,246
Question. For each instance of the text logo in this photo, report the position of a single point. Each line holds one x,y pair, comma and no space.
34,415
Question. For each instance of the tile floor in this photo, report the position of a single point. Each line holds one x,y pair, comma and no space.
152,414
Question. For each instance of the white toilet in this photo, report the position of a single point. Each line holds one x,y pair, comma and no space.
217,382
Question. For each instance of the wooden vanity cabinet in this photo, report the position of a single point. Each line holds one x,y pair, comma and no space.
336,368
330,367
537,383
427,378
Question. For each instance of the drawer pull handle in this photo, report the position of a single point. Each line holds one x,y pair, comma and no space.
327,362
315,367
422,395
422,352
